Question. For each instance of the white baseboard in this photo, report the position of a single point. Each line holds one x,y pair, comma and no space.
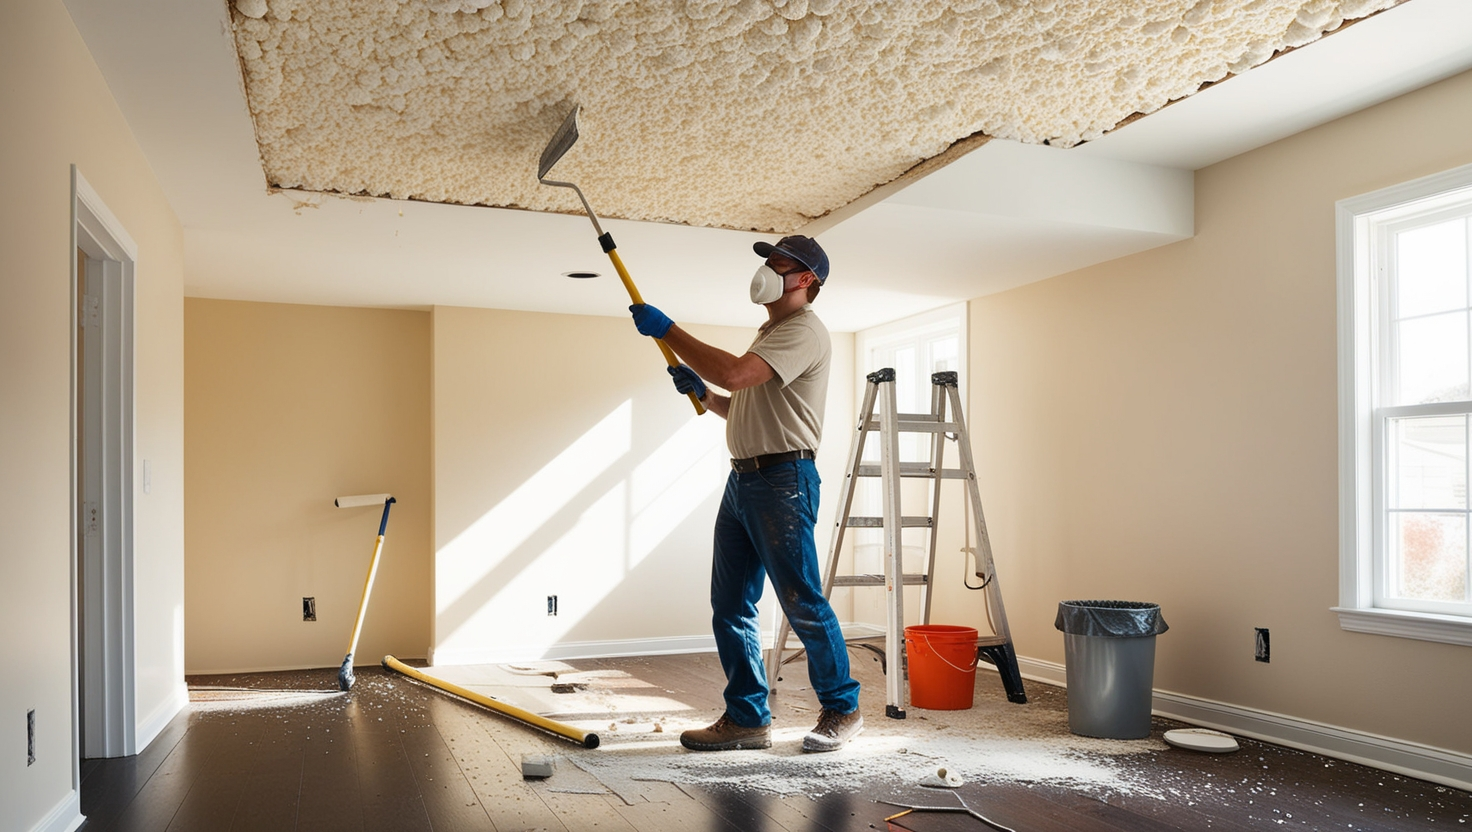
1425,762
154,724
612,648
1049,673
65,816
576,650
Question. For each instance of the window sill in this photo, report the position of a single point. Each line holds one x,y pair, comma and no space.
1447,629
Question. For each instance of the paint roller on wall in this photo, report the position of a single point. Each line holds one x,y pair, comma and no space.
345,677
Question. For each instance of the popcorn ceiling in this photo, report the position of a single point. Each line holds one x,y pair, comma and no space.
748,114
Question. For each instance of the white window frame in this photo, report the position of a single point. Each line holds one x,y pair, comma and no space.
1361,223
913,328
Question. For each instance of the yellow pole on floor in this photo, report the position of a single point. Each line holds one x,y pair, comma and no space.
552,726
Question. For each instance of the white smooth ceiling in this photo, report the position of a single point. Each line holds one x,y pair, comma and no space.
1001,216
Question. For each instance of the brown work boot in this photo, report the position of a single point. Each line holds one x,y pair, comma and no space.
833,730
725,735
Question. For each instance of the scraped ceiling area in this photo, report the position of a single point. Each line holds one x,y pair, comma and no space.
747,114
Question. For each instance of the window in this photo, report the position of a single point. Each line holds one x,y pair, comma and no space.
915,347
1405,288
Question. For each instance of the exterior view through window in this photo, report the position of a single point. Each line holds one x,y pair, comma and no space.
915,347
1426,398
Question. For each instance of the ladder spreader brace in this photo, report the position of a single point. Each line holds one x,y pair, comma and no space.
945,398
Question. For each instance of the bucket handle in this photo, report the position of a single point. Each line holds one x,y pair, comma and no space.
938,655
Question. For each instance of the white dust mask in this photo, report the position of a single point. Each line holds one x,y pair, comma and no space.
766,285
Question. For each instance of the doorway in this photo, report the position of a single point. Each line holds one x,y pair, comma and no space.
102,478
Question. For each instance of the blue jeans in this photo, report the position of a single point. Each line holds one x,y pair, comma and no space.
765,529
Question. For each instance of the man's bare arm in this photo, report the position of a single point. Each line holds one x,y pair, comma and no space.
715,365
716,403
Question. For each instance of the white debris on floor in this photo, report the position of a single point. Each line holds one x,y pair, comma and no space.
994,741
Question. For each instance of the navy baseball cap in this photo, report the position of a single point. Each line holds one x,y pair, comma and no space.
804,250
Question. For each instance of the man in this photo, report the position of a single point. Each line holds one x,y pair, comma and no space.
774,419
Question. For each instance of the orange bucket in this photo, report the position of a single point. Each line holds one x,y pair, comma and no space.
942,660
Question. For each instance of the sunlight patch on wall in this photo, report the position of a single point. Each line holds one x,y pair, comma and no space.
465,561
576,529
672,482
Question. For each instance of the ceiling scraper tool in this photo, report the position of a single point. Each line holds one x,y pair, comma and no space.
345,677
562,141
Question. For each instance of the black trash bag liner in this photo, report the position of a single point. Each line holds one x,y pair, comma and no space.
1110,619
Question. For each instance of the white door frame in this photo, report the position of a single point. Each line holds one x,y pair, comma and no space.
106,549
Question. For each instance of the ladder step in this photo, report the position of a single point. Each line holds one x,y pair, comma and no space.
878,522
878,580
917,426
915,469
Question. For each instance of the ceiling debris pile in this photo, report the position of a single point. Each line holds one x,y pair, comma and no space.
747,114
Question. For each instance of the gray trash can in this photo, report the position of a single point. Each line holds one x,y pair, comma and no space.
1109,658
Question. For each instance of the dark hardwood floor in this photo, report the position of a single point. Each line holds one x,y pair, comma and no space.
403,757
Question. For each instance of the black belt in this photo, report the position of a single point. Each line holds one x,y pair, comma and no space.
746,466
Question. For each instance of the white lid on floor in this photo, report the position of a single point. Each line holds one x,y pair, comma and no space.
1201,739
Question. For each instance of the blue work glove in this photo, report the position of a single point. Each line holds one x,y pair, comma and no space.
686,381
650,321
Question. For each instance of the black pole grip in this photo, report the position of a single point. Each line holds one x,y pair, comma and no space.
383,524
606,240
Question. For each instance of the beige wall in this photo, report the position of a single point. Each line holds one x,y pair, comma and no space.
563,463
1163,428
288,407
55,110
566,464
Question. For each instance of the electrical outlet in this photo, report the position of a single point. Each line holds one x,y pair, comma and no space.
1263,651
309,609
551,604
31,736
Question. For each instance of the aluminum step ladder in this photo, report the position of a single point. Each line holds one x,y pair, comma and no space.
945,399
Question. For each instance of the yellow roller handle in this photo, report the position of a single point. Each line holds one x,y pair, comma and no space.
561,729
635,297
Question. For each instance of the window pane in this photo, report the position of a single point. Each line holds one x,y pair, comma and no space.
1432,359
1431,268
1429,557
943,354
1428,462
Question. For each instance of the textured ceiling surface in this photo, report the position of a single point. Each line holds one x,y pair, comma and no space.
747,114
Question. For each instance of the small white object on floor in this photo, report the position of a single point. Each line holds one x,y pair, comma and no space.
1201,739
942,779
535,767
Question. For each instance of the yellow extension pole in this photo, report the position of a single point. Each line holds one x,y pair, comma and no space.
561,729
635,297
367,591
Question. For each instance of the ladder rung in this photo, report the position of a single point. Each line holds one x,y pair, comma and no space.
915,469
916,426
878,522
877,580
907,469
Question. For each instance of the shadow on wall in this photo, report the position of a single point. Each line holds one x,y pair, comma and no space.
578,528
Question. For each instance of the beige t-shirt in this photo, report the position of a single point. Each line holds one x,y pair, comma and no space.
786,412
